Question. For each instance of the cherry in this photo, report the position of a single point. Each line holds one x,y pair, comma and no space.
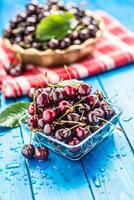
70,91
63,106
100,112
93,100
28,151
81,132
43,100
41,123
109,112
33,121
74,142
84,89
62,134
57,95
49,115
53,44
73,117
92,118
31,109
84,34
38,91
49,129
41,153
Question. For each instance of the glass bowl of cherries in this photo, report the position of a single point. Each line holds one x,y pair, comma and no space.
69,118
53,33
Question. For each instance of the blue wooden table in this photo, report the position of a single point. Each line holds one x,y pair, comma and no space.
107,172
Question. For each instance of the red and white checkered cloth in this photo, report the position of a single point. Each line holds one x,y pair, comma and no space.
116,48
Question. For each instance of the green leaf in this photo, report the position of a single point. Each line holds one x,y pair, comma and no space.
76,83
11,115
56,26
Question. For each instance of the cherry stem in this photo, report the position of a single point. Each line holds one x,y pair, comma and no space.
72,128
120,129
70,122
66,69
31,134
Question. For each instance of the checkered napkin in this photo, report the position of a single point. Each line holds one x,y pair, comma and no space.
116,48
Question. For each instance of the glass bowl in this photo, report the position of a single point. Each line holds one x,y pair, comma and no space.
78,151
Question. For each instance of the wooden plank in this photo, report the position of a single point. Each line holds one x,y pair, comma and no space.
122,81
14,181
58,178
109,167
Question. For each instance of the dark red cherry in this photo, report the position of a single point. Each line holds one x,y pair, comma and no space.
93,100
74,142
70,91
73,117
62,134
43,100
63,106
41,153
28,151
32,109
49,129
109,112
49,115
33,121
92,118
84,89
81,132
57,95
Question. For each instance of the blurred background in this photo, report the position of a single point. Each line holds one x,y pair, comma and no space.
115,7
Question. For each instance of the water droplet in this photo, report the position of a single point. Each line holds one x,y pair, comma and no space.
47,184
13,173
110,155
124,155
118,155
44,175
102,170
1,157
121,167
25,179
15,148
127,119
15,136
7,178
1,169
12,165
0,143
41,183
35,193
96,181
33,181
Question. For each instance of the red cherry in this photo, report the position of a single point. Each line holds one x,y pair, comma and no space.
63,106
84,89
32,109
49,129
93,100
41,153
33,121
74,142
28,151
81,132
70,91
49,115
43,100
